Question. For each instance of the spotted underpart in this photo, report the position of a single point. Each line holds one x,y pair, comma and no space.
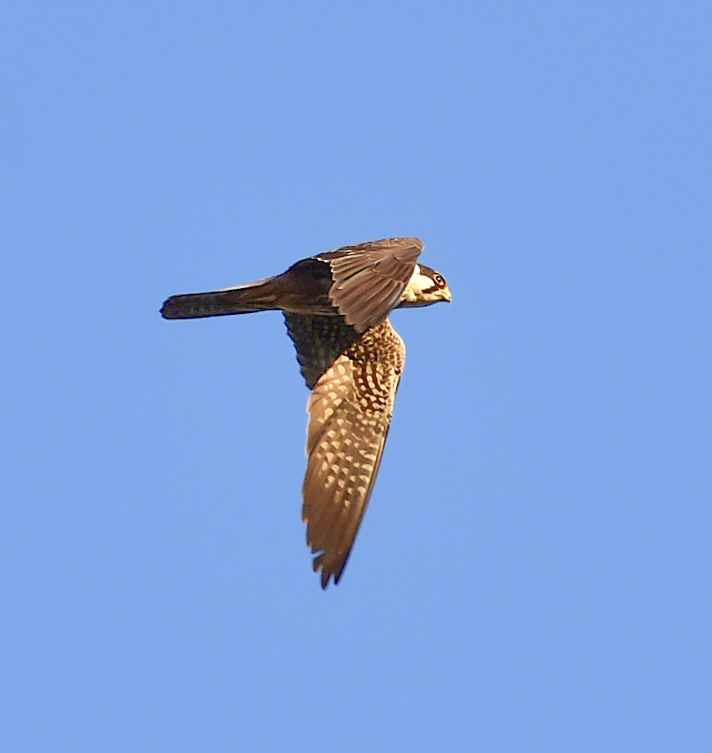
350,411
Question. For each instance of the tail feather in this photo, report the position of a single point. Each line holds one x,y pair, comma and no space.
245,299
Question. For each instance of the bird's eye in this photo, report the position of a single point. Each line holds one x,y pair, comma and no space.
439,279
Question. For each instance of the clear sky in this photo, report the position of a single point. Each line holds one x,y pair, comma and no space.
534,571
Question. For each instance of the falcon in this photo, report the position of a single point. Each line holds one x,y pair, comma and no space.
336,306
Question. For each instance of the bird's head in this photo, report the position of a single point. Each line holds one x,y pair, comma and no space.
426,286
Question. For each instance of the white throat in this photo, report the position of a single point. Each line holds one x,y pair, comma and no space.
418,284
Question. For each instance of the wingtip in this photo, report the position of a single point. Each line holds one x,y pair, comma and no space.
327,575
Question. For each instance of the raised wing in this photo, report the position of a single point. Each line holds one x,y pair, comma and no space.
370,278
350,413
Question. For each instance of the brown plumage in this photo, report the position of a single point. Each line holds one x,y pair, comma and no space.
350,412
335,306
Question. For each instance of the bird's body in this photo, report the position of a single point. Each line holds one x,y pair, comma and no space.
336,306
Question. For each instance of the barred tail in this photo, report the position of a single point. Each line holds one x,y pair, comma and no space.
245,299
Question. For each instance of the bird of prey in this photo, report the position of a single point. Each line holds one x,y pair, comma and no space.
336,306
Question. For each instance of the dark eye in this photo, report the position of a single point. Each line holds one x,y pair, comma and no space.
439,279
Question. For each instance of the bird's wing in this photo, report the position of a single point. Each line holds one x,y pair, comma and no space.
319,341
370,278
350,413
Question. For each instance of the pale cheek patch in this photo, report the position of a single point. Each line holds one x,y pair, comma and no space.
420,287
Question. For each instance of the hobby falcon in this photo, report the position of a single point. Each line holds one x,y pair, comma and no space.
336,306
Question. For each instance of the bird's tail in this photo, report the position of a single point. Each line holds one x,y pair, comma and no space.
244,299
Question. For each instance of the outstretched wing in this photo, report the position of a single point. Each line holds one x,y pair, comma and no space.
350,413
370,278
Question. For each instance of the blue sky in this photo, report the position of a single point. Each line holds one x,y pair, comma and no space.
533,573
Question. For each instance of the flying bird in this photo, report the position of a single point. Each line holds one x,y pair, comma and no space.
336,306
